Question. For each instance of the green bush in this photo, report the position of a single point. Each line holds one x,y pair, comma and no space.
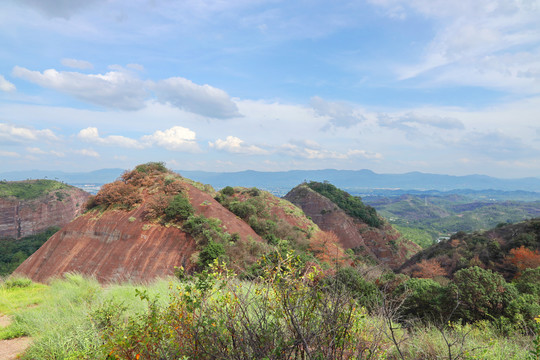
179,209
529,282
227,190
151,167
209,253
426,299
205,230
483,294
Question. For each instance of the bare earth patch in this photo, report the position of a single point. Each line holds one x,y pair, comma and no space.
9,349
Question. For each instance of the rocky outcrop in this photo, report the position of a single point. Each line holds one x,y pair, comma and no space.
19,217
383,244
116,245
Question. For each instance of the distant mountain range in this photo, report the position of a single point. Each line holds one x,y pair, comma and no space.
354,181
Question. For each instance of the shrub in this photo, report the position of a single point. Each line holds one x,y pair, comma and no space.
179,209
482,293
227,190
529,282
204,230
117,193
152,167
212,251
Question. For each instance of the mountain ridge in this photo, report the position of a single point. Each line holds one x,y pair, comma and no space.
347,179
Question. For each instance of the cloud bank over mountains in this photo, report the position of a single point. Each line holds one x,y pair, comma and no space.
389,85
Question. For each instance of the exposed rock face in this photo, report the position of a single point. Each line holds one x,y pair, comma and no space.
119,245
19,218
383,244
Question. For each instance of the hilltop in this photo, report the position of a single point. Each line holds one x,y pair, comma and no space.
357,226
32,206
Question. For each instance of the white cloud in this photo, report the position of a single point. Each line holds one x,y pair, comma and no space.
115,89
38,151
87,152
12,133
199,99
177,138
77,64
338,113
312,150
121,89
91,134
9,154
6,85
235,145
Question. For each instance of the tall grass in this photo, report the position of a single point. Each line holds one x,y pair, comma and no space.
59,319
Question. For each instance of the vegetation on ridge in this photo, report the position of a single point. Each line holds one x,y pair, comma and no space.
29,189
352,205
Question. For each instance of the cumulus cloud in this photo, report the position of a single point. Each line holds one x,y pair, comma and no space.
12,133
115,89
339,114
38,151
177,138
121,89
91,134
59,8
77,64
6,85
235,145
87,152
408,121
312,150
200,99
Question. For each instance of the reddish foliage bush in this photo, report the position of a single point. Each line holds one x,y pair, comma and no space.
524,258
118,193
156,207
326,248
173,188
427,269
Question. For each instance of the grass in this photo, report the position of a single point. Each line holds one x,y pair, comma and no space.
58,318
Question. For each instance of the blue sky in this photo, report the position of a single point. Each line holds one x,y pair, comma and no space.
393,86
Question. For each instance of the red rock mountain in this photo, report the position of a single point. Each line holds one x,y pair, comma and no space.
22,215
117,240
383,244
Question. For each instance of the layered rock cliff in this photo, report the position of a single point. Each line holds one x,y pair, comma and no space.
32,206
383,243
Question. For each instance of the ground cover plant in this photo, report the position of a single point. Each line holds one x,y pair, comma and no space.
292,311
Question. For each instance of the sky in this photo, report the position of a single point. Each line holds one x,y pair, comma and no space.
394,86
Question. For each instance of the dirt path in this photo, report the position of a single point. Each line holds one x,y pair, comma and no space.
9,349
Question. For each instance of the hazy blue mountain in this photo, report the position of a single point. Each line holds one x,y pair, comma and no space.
362,179
101,176
280,182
